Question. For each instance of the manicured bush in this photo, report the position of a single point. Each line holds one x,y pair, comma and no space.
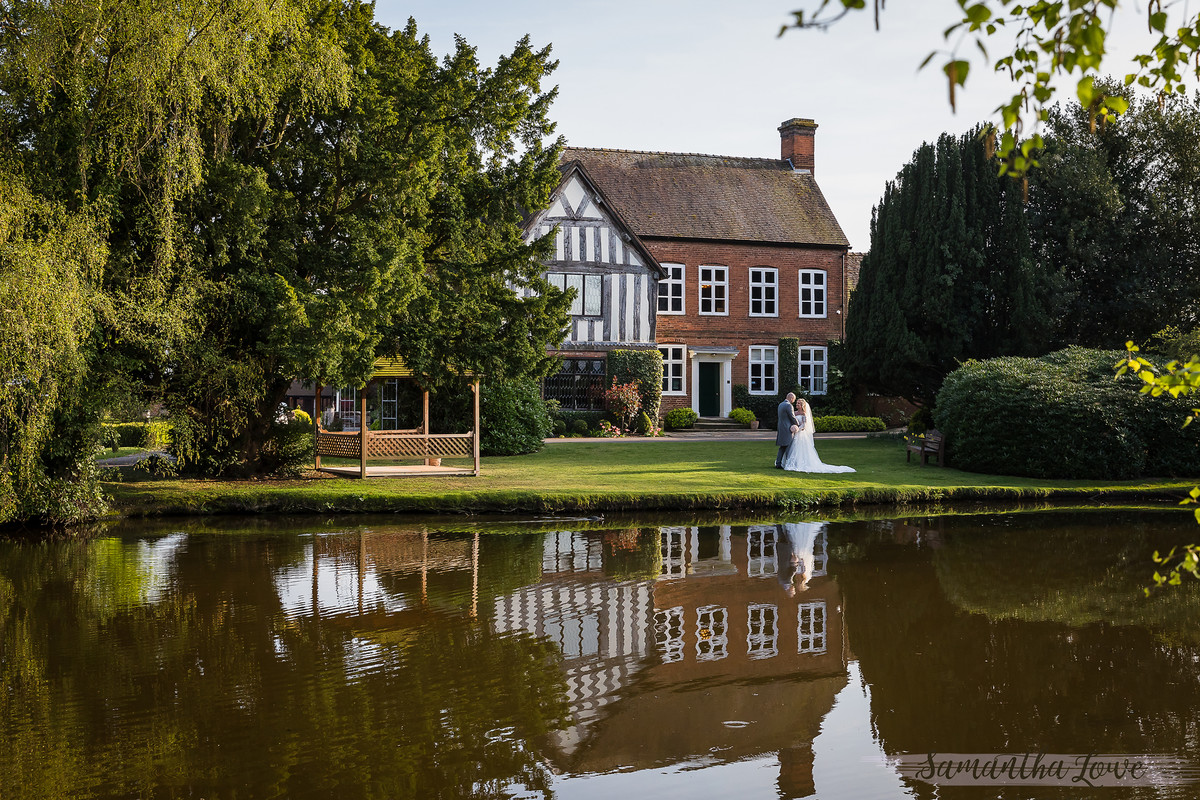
844,424
680,418
643,367
580,426
558,426
743,416
643,425
513,417
1063,416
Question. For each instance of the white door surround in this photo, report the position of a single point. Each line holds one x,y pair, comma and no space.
720,355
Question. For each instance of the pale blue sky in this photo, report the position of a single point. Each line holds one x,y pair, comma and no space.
710,76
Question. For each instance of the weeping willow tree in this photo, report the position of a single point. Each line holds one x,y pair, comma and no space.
255,193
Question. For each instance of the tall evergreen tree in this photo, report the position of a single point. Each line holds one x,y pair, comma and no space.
950,274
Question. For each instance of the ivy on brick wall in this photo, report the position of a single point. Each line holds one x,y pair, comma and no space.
789,366
645,368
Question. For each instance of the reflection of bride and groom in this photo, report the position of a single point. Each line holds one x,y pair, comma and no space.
797,453
795,556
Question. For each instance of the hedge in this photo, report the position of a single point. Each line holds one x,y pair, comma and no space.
1063,416
680,418
149,436
643,367
840,424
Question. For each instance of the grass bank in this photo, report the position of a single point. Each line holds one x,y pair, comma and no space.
595,477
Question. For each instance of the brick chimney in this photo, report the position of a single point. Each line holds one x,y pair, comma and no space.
796,140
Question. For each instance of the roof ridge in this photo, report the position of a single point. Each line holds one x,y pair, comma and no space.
672,153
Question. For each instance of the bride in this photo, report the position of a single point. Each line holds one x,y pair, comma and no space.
801,455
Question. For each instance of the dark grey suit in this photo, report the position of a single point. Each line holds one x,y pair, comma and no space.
783,434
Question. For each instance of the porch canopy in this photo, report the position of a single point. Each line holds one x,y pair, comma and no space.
362,430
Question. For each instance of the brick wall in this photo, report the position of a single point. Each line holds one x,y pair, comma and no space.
739,329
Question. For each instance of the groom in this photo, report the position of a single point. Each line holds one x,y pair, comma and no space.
787,418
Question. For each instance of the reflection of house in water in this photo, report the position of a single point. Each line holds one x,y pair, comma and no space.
678,649
711,661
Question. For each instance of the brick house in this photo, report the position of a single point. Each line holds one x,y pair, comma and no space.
747,252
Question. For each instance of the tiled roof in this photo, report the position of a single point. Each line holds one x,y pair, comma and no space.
691,196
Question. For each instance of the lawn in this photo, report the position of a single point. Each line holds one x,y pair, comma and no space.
590,476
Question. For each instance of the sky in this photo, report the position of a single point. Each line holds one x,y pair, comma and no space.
712,76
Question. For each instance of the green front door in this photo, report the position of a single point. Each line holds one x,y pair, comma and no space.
709,401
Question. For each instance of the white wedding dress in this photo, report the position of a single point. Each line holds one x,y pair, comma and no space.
801,455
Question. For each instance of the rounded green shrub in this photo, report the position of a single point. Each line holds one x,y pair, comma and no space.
1062,416
559,427
642,424
743,416
580,426
680,418
513,417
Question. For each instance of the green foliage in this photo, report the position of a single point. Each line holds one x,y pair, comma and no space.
1113,211
832,424
148,436
50,259
558,426
643,425
1061,416
743,416
289,447
285,191
580,426
764,407
679,418
643,367
789,365
514,418
950,275
839,391
1054,42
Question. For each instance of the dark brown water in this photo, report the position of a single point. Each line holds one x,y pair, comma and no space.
350,659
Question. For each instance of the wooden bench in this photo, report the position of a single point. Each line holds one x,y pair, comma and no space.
933,443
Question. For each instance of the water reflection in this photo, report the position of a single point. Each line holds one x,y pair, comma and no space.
768,660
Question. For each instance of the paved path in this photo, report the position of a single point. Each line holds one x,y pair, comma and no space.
744,435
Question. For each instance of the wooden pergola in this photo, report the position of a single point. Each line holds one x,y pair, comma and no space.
416,444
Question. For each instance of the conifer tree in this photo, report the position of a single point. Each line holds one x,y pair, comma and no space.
950,274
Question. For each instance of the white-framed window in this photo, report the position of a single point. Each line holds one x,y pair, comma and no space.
588,291
764,292
760,551
762,630
348,408
764,371
714,290
812,292
810,628
389,404
712,633
668,634
670,290
813,368
673,368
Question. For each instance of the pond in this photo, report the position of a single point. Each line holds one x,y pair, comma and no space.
377,658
